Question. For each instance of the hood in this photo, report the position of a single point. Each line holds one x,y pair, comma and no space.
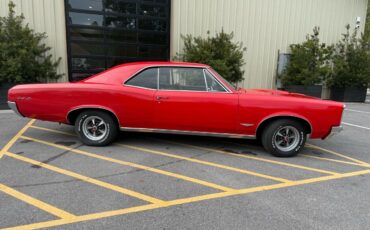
273,93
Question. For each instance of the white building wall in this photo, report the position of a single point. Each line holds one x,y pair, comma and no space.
264,26
45,16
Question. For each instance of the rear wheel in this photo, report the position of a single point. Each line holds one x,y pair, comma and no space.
96,128
284,138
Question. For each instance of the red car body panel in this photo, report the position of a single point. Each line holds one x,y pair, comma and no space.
238,112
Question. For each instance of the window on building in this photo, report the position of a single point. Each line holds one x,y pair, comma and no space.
191,79
104,33
146,79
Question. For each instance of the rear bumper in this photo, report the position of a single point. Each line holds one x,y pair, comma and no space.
14,107
334,130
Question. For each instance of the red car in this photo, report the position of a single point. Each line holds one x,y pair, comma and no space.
179,98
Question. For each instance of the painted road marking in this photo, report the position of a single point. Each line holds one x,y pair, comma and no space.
357,126
52,130
333,160
106,214
37,203
15,138
338,154
134,165
357,111
161,153
310,156
182,158
255,158
87,179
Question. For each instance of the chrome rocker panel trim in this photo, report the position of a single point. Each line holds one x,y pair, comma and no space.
181,132
14,107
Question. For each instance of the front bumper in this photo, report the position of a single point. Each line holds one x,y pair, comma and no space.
334,130
14,107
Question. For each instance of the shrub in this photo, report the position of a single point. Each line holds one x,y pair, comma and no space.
23,57
223,55
351,61
309,62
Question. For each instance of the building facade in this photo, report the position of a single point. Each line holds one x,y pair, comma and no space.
93,35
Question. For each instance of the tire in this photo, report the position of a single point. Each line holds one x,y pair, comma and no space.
280,144
96,128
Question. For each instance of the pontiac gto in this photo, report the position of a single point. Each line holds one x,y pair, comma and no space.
179,98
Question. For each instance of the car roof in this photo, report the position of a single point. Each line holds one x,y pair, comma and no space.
164,63
120,73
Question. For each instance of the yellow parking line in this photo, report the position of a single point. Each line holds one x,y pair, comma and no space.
183,158
333,160
134,165
37,203
338,154
255,158
52,130
87,179
204,163
106,214
359,163
15,138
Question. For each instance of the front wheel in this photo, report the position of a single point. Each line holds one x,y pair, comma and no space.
284,138
96,128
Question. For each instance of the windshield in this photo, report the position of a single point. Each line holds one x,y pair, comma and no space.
229,85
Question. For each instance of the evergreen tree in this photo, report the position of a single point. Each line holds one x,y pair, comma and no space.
24,57
219,52
309,62
351,61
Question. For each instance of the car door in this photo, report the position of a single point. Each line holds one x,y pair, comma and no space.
137,102
191,99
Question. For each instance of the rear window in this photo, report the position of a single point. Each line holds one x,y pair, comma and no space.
145,79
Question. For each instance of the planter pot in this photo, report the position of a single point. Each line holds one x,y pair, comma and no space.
348,94
311,90
4,95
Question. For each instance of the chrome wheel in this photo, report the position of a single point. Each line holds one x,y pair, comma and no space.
286,138
94,128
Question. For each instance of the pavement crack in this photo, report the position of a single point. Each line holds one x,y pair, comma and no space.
54,157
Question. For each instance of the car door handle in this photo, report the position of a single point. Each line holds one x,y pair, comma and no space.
161,98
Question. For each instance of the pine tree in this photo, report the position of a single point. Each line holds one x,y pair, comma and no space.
24,57
223,55
309,62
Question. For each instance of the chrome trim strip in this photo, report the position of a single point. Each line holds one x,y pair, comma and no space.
91,107
246,124
14,107
161,66
281,115
205,80
175,66
195,133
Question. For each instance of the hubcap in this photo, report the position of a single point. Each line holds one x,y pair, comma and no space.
286,138
94,128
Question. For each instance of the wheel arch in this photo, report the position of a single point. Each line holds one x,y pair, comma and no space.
73,113
263,124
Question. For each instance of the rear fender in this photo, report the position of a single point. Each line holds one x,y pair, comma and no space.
100,107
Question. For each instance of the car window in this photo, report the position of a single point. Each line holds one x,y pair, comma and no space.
147,79
228,84
212,84
182,79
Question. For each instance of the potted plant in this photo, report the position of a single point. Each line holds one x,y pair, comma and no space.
351,68
308,66
24,58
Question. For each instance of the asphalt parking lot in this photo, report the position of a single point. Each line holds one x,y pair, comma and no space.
48,179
